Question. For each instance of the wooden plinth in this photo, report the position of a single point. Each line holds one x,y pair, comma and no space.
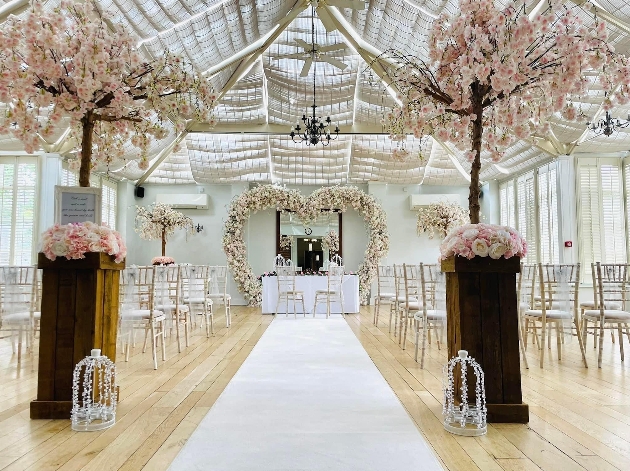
483,319
79,312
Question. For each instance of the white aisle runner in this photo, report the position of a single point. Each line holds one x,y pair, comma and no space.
308,397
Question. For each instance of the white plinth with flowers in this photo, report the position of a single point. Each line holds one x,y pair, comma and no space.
481,262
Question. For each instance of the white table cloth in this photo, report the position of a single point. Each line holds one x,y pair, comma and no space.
309,284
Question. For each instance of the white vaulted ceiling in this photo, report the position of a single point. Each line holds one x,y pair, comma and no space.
241,46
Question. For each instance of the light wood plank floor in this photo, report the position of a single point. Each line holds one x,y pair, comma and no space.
580,418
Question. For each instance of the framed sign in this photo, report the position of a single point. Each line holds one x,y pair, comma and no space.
77,204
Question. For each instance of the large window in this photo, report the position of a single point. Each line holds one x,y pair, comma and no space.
18,191
108,196
601,224
530,204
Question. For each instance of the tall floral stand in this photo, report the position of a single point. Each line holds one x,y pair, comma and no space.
79,312
482,318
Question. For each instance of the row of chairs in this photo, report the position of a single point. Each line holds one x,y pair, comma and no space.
20,300
548,299
153,297
416,296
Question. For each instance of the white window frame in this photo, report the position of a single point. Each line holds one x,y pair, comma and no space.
599,161
16,160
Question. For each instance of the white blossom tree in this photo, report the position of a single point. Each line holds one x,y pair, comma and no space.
159,221
494,76
72,62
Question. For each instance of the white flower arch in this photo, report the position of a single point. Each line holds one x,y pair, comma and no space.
307,208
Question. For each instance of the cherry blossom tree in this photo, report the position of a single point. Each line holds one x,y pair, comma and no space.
159,221
494,76
73,62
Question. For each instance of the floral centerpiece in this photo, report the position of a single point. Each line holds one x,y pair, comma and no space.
73,241
331,242
483,240
159,222
162,261
441,217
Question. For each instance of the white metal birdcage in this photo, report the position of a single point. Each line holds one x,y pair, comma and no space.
464,418
94,394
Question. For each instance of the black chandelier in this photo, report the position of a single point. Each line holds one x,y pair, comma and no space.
316,130
608,125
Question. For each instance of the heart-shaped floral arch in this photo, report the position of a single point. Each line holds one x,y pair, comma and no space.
307,208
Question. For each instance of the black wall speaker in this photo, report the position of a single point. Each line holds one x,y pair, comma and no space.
139,192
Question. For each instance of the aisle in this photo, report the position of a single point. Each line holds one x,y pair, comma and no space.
308,397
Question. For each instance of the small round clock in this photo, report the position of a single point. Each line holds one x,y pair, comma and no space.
308,231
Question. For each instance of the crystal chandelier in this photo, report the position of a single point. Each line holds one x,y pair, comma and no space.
314,130
608,125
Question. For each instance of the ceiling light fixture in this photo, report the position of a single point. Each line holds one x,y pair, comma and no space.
316,130
608,125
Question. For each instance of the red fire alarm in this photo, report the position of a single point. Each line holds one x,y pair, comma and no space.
568,243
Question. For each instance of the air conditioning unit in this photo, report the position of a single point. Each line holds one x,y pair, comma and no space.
418,201
187,201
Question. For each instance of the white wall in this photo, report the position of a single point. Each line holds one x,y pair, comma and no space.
205,247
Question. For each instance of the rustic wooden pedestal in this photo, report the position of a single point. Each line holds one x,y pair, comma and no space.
79,312
483,319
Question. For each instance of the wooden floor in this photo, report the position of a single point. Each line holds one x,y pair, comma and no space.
580,418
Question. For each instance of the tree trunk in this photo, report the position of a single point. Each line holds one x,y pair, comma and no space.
163,243
477,133
86,149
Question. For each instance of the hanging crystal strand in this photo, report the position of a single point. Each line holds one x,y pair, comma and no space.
464,419
95,407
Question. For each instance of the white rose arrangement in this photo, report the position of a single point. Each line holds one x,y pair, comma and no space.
483,240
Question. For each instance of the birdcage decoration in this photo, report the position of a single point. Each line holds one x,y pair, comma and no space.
464,418
94,393
336,261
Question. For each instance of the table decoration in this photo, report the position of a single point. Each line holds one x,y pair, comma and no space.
73,241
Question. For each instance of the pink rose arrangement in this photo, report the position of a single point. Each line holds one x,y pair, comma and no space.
162,261
73,241
483,240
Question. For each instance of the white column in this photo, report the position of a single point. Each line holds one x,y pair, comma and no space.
567,208
50,175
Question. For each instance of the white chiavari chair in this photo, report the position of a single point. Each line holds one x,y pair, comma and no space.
286,290
525,289
169,299
398,299
558,291
19,305
196,296
610,288
218,290
385,289
138,312
334,292
432,307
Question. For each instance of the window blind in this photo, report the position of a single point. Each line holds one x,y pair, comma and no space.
548,215
506,190
18,190
527,226
602,226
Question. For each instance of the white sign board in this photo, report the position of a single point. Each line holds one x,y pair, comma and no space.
77,204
